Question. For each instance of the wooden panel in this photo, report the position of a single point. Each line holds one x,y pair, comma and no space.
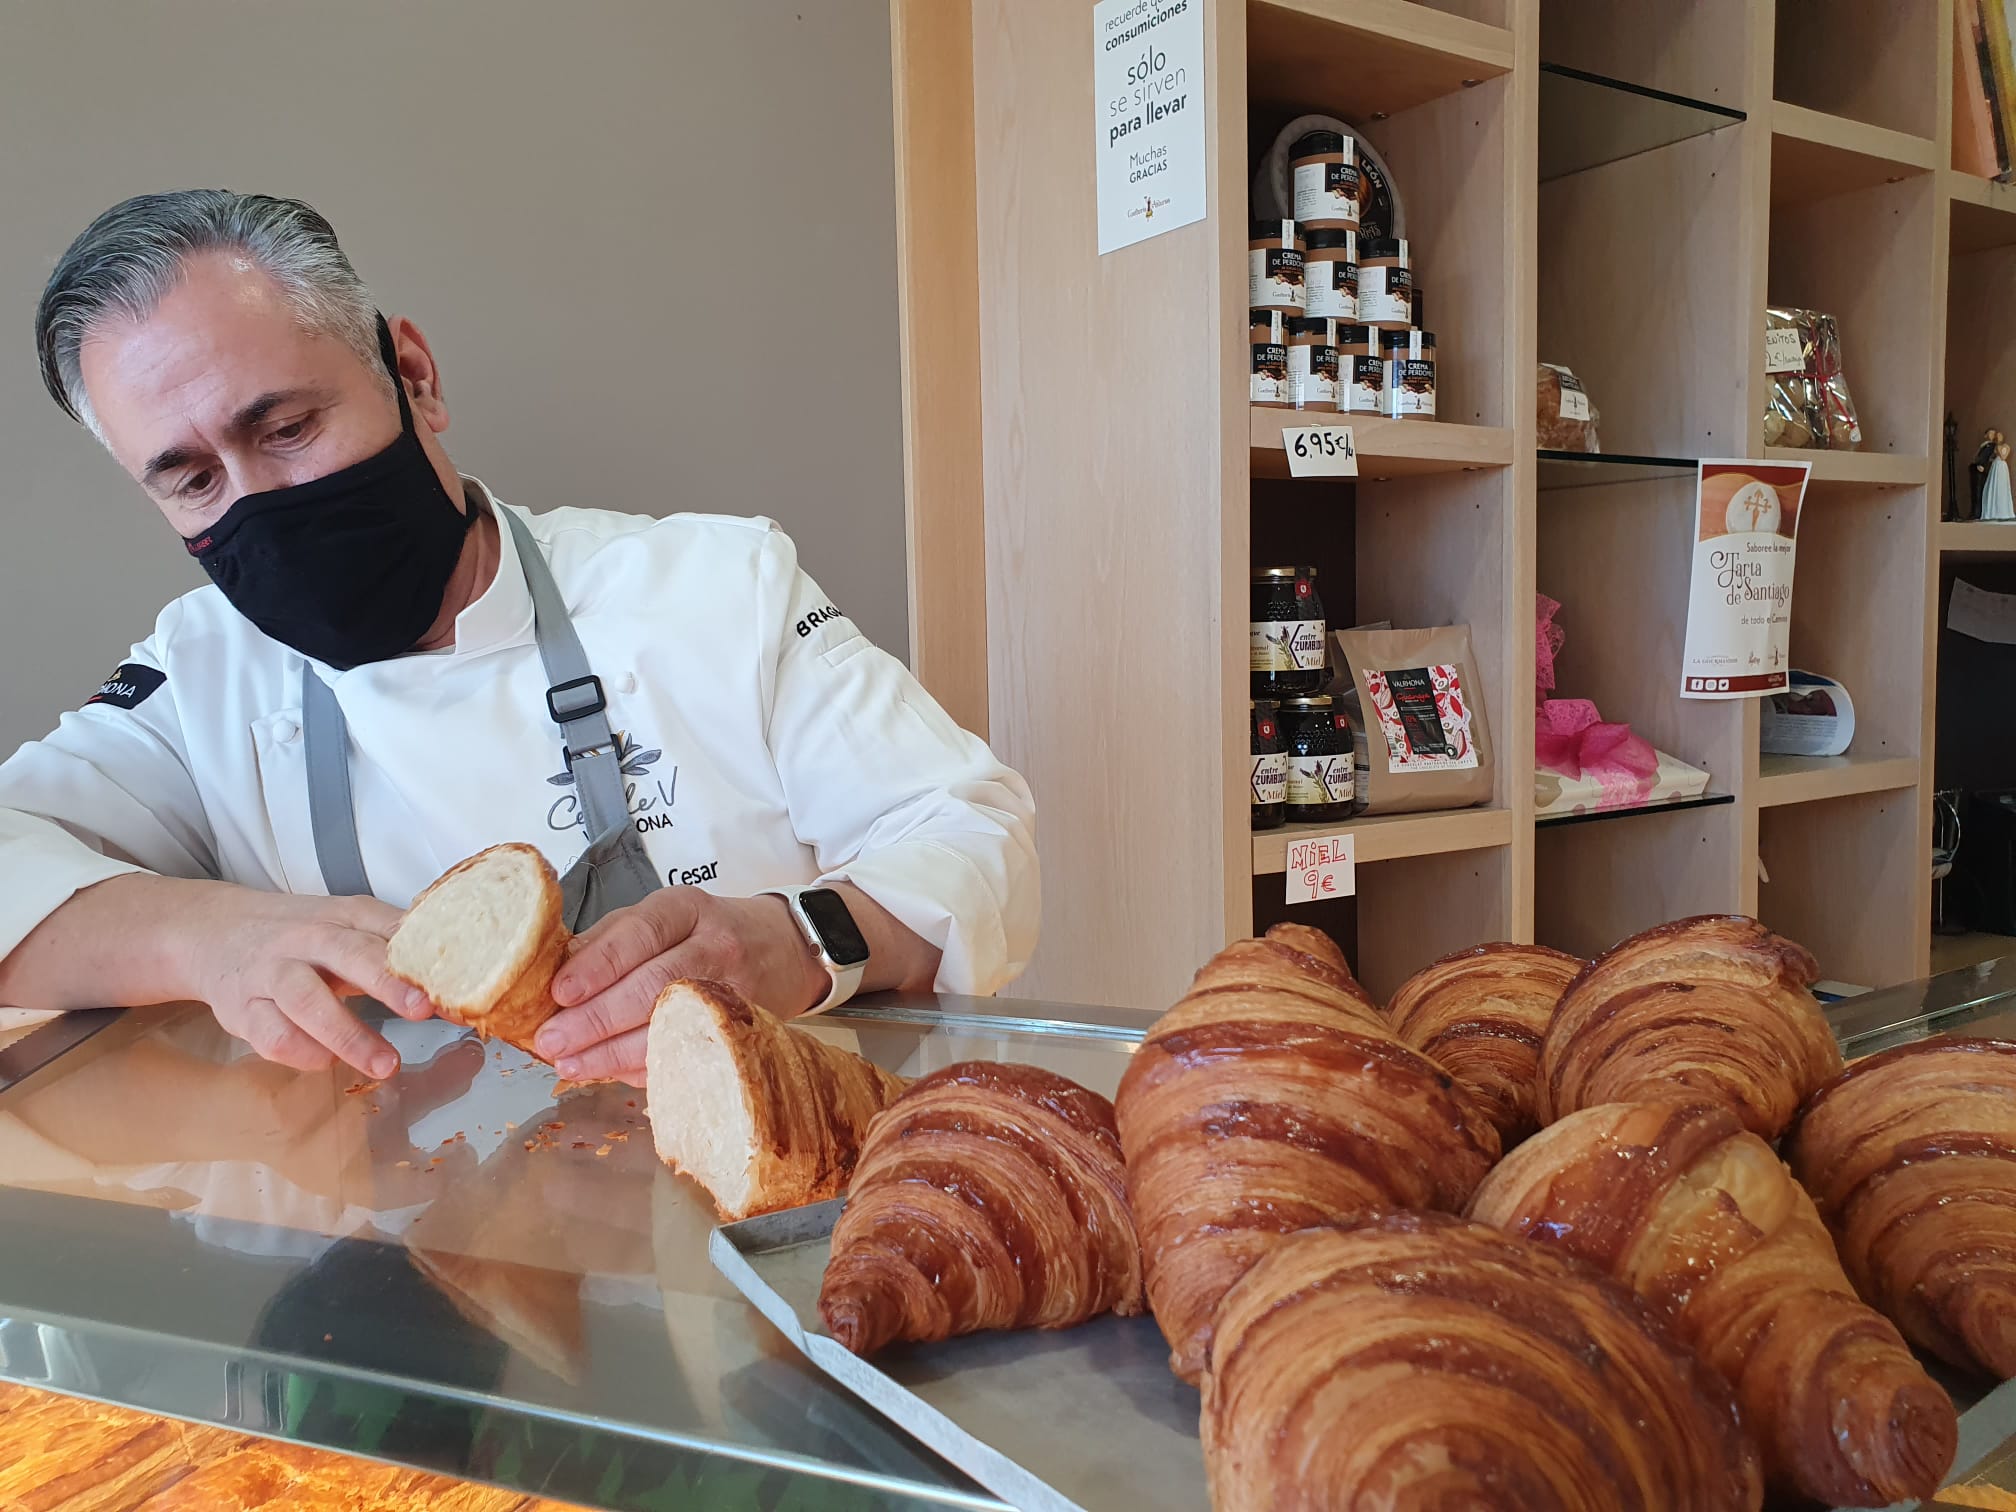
1638,259
1980,357
1984,212
1415,911
1802,779
1816,156
1841,880
938,294
1364,60
1865,258
1595,883
1864,468
1115,432
1385,837
1386,448
1875,61
1977,537
1695,49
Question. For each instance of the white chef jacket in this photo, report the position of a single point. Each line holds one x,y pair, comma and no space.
766,742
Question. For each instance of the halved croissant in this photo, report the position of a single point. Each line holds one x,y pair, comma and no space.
986,1196
1911,1156
1714,1008
1480,1014
1416,1360
1251,1111
1698,1216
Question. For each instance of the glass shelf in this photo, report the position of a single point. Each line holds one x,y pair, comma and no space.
1569,469
1587,120
1706,800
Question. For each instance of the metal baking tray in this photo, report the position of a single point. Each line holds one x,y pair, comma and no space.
1085,1419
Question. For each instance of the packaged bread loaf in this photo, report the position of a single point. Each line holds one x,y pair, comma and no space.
1807,403
1567,419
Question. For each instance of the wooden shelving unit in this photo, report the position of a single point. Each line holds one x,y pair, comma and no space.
1130,488
1977,538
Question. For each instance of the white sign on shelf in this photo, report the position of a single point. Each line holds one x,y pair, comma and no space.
1320,451
1148,83
1321,866
1739,603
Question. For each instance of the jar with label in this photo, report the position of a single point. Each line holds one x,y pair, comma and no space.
1325,168
1274,263
1312,362
1288,634
1330,275
1321,775
1268,387
1361,371
1386,285
1270,769
1410,374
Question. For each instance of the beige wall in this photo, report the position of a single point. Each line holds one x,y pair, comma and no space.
653,242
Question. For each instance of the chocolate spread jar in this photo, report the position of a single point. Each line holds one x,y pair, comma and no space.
1274,268
1330,275
1312,363
1325,169
1385,285
1270,769
1321,775
1268,386
1410,374
1288,636
1361,371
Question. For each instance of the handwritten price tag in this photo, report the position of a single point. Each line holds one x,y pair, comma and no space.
1322,867
1321,451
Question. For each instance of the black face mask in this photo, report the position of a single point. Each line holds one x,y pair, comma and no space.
349,568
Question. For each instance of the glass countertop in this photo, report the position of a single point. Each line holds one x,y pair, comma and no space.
466,1269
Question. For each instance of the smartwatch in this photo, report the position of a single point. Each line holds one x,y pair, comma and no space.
829,928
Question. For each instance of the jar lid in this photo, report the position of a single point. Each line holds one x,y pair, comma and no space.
1322,326
1417,319
1310,702
1345,239
1273,322
1310,143
1263,705
1261,574
1354,335
1267,229
1401,340
1387,246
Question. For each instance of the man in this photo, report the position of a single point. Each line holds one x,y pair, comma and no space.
392,669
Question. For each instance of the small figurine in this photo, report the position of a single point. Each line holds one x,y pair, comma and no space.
1996,502
1949,507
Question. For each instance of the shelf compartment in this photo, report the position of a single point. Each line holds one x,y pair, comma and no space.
1706,800
1816,156
1874,61
1588,119
1984,212
1804,779
1365,60
1838,877
1386,448
1869,469
1595,884
1390,837
1977,538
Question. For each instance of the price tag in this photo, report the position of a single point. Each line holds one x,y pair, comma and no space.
1783,352
1321,866
1321,451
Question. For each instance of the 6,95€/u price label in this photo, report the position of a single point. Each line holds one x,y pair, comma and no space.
1320,451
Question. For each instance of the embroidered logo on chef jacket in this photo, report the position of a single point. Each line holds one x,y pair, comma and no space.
130,684
651,793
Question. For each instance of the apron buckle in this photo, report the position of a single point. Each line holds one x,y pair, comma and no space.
577,698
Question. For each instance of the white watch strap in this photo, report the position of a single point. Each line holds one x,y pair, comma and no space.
846,979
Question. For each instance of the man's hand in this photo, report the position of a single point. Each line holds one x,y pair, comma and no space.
272,968
619,967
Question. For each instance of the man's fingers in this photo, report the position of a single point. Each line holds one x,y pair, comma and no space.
624,1007
304,998
272,1034
621,1057
355,958
623,941
367,914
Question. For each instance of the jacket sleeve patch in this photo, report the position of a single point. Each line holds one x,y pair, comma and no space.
130,685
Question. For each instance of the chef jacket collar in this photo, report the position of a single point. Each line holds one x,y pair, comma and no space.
500,616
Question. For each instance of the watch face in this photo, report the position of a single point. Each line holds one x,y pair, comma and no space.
835,925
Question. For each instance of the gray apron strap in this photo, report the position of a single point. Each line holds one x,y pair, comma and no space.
615,870
325,740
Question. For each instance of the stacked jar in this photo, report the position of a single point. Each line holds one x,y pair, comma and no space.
1336,323
1289,640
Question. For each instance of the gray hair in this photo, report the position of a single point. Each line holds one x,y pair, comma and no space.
132,255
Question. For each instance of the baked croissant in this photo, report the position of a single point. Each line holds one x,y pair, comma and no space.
1480,1014
1911,1156
1250,1111
764,1116
1699,1216
1291,958
1416,1360
987,1196
1714,1007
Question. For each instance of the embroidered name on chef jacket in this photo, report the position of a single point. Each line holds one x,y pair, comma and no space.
130,684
